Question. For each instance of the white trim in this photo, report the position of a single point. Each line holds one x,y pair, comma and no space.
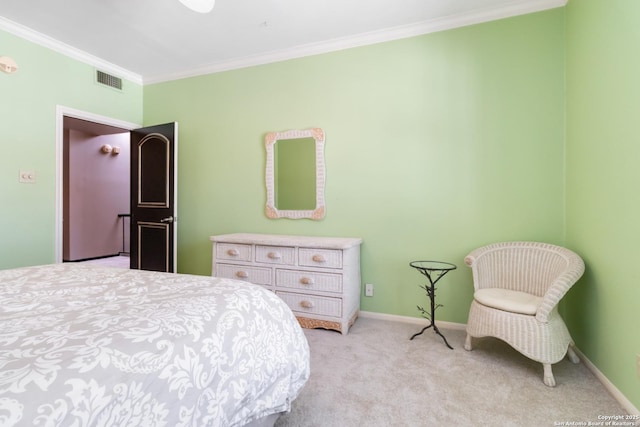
411,320
617,394
175,197
61,113
515,8
70,51
389,34
612,389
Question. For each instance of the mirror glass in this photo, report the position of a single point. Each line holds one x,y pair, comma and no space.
295,174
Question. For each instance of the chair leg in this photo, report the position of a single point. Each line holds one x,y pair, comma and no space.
549,380
467,343
571,354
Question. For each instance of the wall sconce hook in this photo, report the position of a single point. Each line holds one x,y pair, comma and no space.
8,65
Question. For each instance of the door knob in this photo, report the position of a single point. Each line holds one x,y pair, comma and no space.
168,219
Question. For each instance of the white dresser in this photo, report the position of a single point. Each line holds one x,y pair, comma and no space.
318,277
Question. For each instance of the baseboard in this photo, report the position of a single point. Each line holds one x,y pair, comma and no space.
617,394
412,320
612,389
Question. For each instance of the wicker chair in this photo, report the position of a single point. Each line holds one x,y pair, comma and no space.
518,286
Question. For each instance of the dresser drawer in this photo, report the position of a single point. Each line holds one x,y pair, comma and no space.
257,275
311,304
309,281
276,255
325,258
233,251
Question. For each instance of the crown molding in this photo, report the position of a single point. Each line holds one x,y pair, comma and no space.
70,51
516,8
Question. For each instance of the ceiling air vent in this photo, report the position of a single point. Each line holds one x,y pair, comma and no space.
108,79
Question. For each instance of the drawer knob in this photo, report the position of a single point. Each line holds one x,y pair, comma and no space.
306,304
274,255
233,252
306,281
319,258
242,274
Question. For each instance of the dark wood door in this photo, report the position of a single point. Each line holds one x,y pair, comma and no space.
153,198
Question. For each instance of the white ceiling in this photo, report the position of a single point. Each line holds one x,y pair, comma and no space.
157,40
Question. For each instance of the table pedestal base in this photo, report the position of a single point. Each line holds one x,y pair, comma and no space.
436,330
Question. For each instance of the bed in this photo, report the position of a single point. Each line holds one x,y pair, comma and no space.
86,345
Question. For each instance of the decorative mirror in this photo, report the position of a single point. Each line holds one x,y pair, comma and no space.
295,174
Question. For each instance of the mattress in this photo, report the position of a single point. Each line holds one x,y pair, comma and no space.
85,345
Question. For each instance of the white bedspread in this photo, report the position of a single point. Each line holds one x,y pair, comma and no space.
91,346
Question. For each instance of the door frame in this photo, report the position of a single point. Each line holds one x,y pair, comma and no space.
61,113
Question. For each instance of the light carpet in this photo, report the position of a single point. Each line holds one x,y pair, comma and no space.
375,376
119,261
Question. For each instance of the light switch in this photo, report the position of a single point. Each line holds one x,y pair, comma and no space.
27,176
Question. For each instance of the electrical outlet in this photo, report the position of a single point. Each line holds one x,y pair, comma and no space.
368,290
27,176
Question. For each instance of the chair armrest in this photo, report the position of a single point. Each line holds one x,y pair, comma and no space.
559,288
471,262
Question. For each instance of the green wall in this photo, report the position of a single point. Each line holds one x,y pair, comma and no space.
603,103
434,145
28,101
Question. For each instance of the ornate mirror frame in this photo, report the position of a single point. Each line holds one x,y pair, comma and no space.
270,140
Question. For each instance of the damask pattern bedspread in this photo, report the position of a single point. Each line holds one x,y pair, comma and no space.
92,346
